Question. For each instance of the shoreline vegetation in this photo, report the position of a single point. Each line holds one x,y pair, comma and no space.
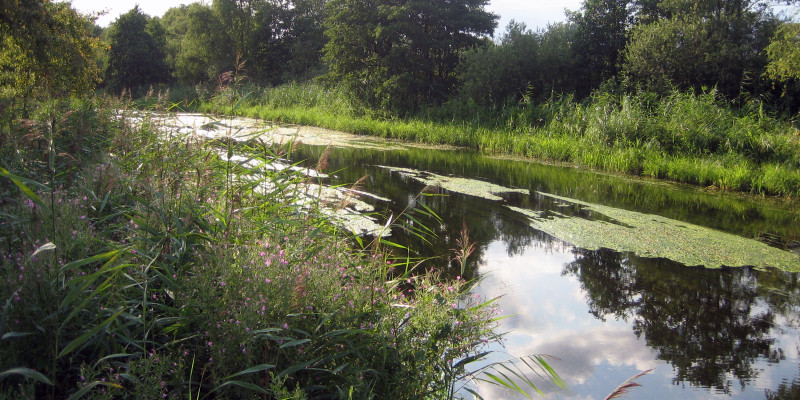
142,263
699,140
148,264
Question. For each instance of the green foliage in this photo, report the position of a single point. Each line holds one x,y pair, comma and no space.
601,35
398,56
137,56
784,53
524,66
713,44
45,50
157,281
196,48
682,136
493,73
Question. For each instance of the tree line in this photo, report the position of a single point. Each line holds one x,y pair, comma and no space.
400,55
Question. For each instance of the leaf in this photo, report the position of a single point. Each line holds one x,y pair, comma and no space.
45,247
295,343
98,257
502,382
257,368
12,335
470,359
89,387
295,368
26,372
18,180
245,385
83,338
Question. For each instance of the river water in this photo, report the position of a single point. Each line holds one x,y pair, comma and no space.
724,331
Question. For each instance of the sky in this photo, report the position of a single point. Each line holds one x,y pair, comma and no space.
534,13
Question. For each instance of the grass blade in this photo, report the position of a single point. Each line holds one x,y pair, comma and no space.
26,372
83,338
18,180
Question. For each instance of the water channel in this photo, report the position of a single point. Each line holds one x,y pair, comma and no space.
716,330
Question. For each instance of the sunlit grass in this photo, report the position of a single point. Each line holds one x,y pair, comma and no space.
695,139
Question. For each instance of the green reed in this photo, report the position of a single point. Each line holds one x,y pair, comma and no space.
163,267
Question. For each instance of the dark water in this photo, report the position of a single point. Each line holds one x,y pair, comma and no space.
729,333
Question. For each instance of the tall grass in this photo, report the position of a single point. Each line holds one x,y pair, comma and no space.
684,137
162,268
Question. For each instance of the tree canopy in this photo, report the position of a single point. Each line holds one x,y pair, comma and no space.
46,47
137,57
400,54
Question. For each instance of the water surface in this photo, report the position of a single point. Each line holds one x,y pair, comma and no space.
730,332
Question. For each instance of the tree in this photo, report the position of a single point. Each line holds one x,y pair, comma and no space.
495,73
667,54
710,331
701,44
45,48
238,22
784,53
136,58
308,33
270,41
602,27
398,54
196,49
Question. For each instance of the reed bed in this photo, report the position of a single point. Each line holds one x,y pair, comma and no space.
139,263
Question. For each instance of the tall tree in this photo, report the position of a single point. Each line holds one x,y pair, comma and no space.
197,49
308,33
495,73
270,41
238,24
398,54
602,27
45,48
136,59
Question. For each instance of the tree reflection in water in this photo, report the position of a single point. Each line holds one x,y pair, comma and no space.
706,323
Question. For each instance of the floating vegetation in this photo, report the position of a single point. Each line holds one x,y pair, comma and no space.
657,237
470,187
341,204
242,129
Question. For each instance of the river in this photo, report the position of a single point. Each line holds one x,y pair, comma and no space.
591,269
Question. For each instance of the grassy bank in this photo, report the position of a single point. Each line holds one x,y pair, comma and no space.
139,267
688,138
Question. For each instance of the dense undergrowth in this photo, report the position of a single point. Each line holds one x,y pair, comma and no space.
141,264
698,139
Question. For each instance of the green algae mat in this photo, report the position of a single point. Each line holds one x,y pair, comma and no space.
593,226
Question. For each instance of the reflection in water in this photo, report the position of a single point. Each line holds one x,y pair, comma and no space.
786,390
707,324
608,315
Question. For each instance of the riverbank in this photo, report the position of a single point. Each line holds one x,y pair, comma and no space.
686,138
143,262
